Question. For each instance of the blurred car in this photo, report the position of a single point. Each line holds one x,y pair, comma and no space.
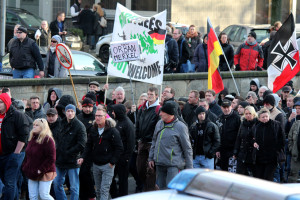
201,184
84,65
183,27
102,47
32,23
237,34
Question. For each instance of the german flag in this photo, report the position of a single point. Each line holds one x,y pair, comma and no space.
158,36
214,50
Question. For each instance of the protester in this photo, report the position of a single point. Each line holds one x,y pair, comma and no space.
170,137
75,10
25,55
289,105
268,141
142,100
43,35
169,96
285,92
275,114
14,134
86,20
119,99
200,56
98,30
228,51
183,48
243,144
39,163
249,55
53,122
277,25
228,123
222,95
173,52
54,95
188,112
254,86
265,49
14,37
70,142
241,107
211,116
57,26
104,145
210,97
206,139
193,39
37,109
259,103
53,68
252,99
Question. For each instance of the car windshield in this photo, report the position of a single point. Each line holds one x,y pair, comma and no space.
30,20
87,63
261,34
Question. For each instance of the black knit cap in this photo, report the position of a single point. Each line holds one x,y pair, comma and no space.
168,108
244,104
87,102
199,110
22,29
269,99
253,34
92,96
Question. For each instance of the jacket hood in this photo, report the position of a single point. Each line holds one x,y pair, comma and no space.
120,111
63,102
57,91
256,81
6,100
153,105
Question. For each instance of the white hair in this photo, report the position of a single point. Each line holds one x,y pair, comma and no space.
121,89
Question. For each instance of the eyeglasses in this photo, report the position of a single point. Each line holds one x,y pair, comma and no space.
19,32
99,115
53,41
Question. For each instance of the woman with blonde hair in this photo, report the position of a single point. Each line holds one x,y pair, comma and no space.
98,29
142,100
39,163
43,36
243,145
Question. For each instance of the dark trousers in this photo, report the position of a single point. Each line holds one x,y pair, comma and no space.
87,189
225,155
122,171
133,172
245,168
265,170
146,174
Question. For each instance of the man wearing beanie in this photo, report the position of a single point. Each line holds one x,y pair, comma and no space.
206,137
241,107
229,123
247,54
24,55
70,143
53,68
14,131
171,149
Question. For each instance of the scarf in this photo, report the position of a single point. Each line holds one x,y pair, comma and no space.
190,35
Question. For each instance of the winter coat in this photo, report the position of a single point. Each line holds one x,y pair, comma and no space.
48,104
171,146
39,113
265,49
256,81
126,130
188,113
106,148
39,157
184,52
70,142
55,129
146,120
63,102
229,53
243,145
200,58
87,120
98,30
173,50
215,108
211,138
276,115
293,140
270,138
229,127
86,19
55,29
194,42
211,116
59,70
246,56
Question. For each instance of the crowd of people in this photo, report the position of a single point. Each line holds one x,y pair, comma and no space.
190,53
48,146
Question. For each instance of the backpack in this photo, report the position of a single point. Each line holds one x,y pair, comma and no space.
166,55
103,22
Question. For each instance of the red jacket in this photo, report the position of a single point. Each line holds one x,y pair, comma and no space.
249,57
39,157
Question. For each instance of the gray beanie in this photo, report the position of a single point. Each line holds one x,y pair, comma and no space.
57,38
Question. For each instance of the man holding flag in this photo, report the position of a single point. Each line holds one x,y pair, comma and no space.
283,59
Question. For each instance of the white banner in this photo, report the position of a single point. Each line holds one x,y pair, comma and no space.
151,32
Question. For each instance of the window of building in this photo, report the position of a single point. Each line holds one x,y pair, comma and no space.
145,5
112,4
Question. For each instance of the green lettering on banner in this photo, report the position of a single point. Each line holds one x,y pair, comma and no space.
120,65
125,18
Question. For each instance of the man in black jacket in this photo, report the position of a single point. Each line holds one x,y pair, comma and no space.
229,123
126,129
206,139
58,27
183,48
105,146
54,122
211,116
188,112
70,142
210,96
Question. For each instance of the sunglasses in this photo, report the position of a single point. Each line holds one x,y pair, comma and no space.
19,32
53,41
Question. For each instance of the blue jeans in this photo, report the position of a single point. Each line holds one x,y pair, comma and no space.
165,175
201,162
39,188
59,182
10,169
23,73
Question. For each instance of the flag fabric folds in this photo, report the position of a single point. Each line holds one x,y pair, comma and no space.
283,58
158,36
214,50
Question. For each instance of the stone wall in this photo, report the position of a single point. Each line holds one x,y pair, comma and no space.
182,83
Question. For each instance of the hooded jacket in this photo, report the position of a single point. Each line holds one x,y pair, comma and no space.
48,103
106,148
293,140
171,146
63,102
126,130
256,81
14,128
211,137
39,113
